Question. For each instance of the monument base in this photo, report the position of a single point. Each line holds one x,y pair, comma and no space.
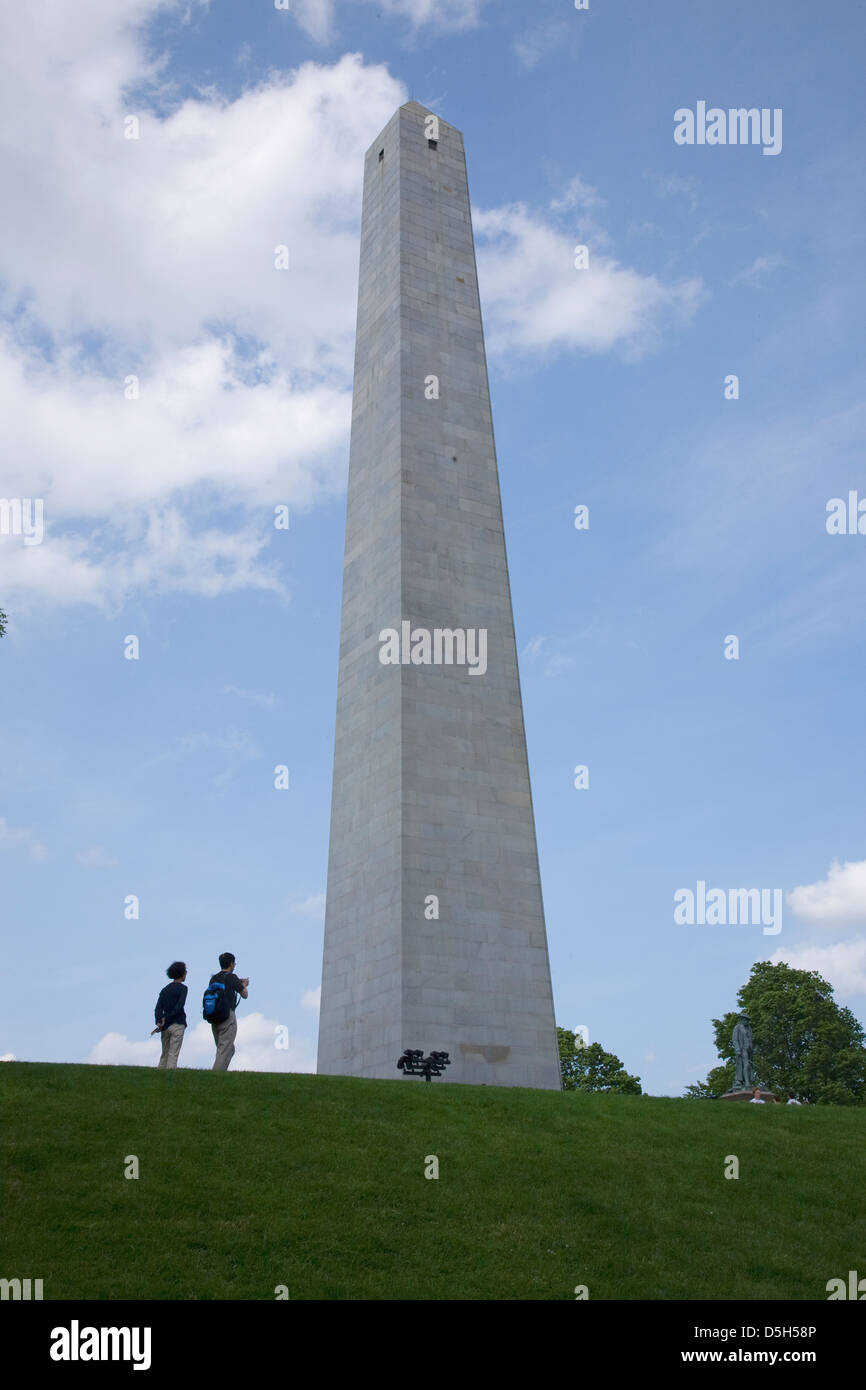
747,1095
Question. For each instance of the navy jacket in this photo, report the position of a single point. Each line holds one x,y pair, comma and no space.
169,1005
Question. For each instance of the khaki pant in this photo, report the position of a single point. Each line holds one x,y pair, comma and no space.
172,1037
224,1036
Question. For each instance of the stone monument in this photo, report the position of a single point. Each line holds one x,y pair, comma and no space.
744,1051
745,1080
434,929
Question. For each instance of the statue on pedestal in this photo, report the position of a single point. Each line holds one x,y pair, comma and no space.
744,1075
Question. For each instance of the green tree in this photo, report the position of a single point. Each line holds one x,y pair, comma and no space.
3,621
719,1080
804,1041
590,1068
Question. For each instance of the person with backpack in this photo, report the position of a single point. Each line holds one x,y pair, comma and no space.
170,1015
218,1009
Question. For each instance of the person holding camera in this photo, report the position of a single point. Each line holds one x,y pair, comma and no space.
225,1029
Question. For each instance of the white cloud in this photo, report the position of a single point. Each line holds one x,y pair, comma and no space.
265,699
319,18
843,964
311,907
212,409
578,195
155,258
558,663
312,999
439,14
781,456
8,1057
316,17
233,748
755,274
644,229
674,186
165,554
12,838
553,663
581,201
840,897
535,299
96,858
255,1048
234,741
115,1049
541,41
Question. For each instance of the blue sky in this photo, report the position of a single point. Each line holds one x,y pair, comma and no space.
154,258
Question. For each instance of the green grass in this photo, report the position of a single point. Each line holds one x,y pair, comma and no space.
250,1180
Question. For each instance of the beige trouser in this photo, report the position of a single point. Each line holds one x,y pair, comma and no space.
172,1037
224,1036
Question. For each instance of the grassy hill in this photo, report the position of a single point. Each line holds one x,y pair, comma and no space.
249,1180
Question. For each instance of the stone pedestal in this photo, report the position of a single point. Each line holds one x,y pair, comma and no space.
768,1096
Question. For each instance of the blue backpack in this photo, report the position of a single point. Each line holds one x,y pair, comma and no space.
215,1005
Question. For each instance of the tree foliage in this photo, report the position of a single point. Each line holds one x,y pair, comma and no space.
3,621
719,1080
590,1068
805,1043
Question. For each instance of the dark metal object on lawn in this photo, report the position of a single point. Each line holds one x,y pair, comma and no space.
414,1063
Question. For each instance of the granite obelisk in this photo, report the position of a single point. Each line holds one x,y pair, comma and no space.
434,928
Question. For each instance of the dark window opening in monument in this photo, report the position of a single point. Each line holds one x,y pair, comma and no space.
432,144
381,155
